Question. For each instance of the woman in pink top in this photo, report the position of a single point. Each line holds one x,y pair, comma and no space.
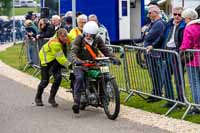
191,40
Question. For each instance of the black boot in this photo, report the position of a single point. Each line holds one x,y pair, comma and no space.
52,98
38,102
52,102
75,108
38,97
76,105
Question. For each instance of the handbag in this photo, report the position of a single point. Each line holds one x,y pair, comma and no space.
186,57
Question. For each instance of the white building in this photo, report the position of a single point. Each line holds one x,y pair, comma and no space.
25,3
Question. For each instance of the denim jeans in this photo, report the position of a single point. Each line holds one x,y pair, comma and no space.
79,84
154,65
170,66
32,53
194,79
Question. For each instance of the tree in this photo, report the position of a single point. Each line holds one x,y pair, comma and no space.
5,7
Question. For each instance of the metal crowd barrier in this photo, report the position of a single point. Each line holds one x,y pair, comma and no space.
32,51
142,79
192,73
32,48
119,71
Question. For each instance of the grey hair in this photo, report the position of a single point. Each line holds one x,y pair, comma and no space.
92,16
56,17
178,8
189,13
154,8
82,16
68,13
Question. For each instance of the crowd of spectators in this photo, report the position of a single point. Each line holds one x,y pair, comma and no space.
6,30
178,34
40,30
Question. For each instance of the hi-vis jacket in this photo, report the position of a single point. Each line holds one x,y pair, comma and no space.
74,33
52,50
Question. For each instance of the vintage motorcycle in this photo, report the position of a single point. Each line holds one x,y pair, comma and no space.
101,89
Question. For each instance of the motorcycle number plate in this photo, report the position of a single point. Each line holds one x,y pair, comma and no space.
104,69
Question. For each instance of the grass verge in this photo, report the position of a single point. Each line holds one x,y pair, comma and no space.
23,11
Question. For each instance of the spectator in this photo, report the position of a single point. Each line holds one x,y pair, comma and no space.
68,13
102,32
30,35
173,39
19,29
198,10
81,20
162,14
191,40
29,15
153,39
148,21
46,31
68,23
78,14
34,18
56,22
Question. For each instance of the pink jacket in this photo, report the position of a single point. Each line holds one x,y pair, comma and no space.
191,40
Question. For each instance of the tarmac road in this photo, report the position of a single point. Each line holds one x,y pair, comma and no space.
18,114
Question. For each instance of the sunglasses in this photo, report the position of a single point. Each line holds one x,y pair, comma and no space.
83,22
177,14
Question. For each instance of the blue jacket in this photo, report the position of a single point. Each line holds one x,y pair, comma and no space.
178,36
154,36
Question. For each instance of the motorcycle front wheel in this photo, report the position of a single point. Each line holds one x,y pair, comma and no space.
111,99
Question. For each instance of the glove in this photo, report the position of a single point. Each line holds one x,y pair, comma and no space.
79,62
116,61
70,67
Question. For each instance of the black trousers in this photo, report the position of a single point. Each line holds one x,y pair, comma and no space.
53,68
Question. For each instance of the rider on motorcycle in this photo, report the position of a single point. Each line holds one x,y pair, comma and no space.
86,48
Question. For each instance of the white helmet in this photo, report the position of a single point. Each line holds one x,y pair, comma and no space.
91,27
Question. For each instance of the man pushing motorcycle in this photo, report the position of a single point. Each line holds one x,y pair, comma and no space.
86,48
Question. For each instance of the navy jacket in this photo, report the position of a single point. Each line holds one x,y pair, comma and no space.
155,34
178,36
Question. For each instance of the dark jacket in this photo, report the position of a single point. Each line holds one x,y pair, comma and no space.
31,29
155,34
79,52
178,36
47,32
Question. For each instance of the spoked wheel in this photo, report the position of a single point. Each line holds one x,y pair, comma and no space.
111,99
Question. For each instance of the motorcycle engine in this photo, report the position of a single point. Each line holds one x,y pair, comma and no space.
93,99
91,96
